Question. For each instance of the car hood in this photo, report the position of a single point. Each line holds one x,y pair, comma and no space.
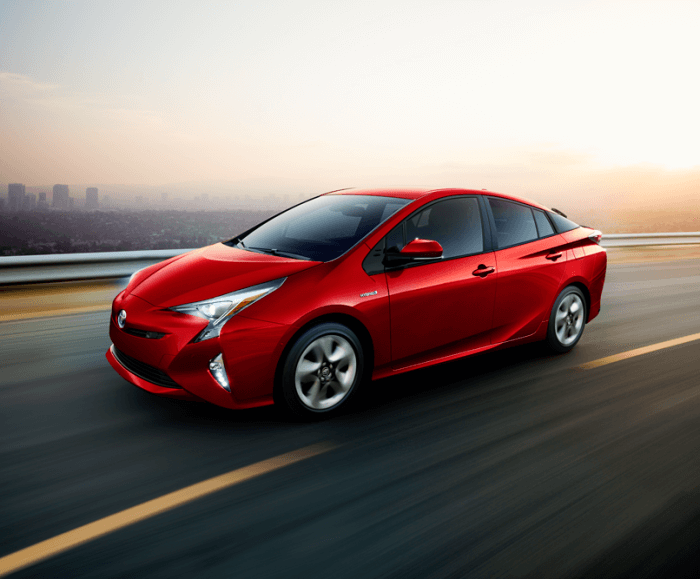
213,271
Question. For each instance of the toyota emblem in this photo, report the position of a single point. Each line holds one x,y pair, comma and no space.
121,318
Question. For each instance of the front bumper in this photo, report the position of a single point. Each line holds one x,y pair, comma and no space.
178,393
175,367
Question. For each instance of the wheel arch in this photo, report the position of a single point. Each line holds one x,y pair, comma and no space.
586,294
358,328
580,284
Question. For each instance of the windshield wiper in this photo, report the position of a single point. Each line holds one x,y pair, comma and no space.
279,253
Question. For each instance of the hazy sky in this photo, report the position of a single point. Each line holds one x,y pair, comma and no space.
512,95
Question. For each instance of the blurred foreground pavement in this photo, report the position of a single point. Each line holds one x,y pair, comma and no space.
515,463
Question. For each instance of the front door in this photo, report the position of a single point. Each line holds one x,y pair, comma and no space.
444,307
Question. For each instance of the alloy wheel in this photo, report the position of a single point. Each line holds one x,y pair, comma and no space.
325,372
569,319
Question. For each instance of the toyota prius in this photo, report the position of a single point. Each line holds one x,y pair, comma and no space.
309,307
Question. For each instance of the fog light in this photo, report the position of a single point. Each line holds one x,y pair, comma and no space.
218,370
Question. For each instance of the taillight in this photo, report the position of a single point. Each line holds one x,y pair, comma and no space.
596,236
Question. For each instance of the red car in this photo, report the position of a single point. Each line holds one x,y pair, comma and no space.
311,305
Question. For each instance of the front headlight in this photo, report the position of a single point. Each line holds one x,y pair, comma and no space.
217,311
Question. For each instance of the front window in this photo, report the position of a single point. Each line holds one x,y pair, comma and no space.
454,223
323,228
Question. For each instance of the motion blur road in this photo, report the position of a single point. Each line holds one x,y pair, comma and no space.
511,464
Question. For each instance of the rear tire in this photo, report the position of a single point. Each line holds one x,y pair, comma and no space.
322,371
567,320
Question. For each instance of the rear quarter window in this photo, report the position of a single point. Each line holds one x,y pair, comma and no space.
544,227
561,224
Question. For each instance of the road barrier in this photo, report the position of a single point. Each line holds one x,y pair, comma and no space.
83,266
642,239
18,269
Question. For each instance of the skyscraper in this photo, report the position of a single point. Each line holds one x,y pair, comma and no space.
91,198
42,204
61,197
15,196
29,202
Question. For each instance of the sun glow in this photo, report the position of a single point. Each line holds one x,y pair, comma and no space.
321,95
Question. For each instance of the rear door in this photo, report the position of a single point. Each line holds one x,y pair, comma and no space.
442,307
530,258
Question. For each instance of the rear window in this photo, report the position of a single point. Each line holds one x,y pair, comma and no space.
514,223
561,224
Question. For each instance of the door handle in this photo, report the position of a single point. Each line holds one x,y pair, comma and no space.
483,271
554,256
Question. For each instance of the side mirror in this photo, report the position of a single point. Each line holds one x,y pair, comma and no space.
416,250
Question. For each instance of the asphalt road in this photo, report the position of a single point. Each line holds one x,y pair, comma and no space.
509,464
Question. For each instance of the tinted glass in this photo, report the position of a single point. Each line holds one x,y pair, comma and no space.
395,238
562,224
543,225
514,223
455,224
323,228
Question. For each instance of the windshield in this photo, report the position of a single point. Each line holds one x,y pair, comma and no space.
321,229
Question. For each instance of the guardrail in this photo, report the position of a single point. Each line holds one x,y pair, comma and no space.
82,266
18,269
641,239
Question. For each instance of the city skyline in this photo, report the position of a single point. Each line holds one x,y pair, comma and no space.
620,188
575,103
21,197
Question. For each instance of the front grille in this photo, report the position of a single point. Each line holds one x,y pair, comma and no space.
151,335
143,370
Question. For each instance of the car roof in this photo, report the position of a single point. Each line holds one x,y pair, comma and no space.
384,192
418,193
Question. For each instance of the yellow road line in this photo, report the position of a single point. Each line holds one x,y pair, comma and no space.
638,352
53,313
45,549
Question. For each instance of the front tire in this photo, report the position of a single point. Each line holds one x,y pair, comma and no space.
322,371
567,320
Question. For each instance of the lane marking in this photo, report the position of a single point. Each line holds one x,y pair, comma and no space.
54,313
638,352
65,541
